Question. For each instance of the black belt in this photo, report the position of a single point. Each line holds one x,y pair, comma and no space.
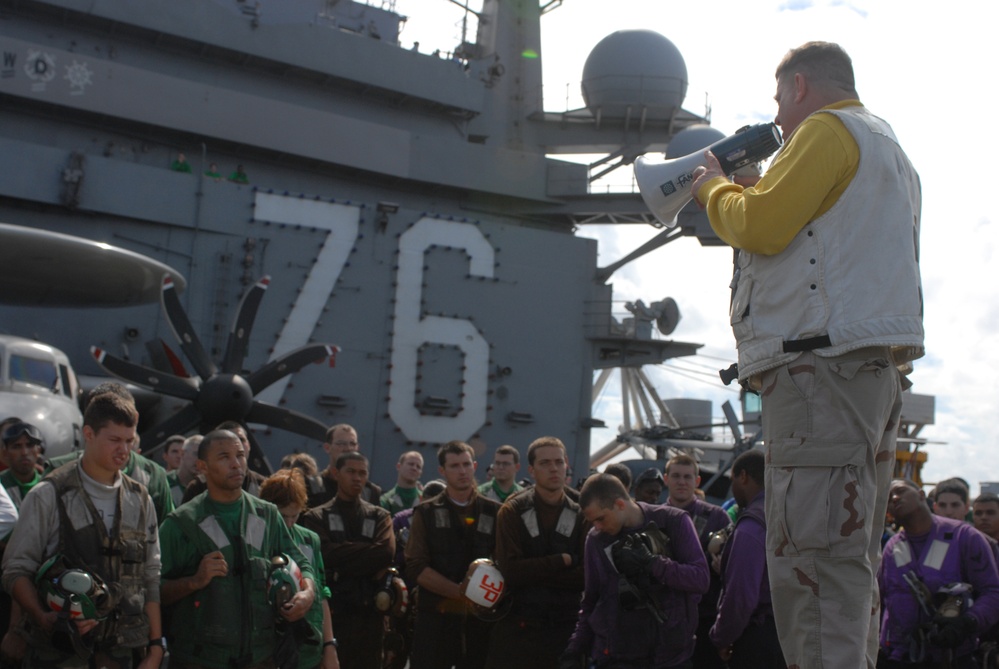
808,344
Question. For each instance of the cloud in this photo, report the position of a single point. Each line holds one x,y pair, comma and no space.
796,6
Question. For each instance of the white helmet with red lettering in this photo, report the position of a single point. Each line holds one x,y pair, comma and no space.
483,584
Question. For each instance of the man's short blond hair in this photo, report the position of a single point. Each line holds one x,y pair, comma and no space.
821,63
506,449
542,442
683,459
410,454
338,426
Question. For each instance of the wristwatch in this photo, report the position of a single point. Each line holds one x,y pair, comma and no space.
161,642
332,642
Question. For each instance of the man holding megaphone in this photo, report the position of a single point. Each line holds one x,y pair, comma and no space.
827,313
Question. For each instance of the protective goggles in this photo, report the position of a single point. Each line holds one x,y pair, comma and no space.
14,432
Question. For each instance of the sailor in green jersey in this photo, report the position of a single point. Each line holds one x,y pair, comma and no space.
22,448
217,551
506,464
407,491
181,164
286,490
181,477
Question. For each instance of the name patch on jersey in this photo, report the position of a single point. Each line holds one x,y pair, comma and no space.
935,556
530,518
256,527
566,522
901,553
210,526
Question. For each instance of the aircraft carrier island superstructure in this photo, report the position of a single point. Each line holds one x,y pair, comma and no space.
406,207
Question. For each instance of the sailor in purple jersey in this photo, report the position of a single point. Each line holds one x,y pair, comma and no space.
682,479
744,631
933,554
644,574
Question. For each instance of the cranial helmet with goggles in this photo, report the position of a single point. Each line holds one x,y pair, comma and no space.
284,580
76,593
15,431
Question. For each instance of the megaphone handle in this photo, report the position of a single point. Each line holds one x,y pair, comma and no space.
750,145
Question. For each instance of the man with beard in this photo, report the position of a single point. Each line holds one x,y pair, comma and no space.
540,534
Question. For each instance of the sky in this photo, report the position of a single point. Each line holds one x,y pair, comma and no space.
924,67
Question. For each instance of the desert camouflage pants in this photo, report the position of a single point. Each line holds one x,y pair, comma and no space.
830,426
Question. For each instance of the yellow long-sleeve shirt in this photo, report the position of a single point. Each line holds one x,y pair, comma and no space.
803,182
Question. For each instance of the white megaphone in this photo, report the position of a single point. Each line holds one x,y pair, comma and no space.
665,184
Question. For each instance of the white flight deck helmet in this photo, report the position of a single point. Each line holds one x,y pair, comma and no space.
483,584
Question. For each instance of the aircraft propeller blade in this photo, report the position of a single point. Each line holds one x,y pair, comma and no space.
180,423
239,335
155,350
733,420
167,384
286,419
289,363
256,459
216,395
184,331
176,364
